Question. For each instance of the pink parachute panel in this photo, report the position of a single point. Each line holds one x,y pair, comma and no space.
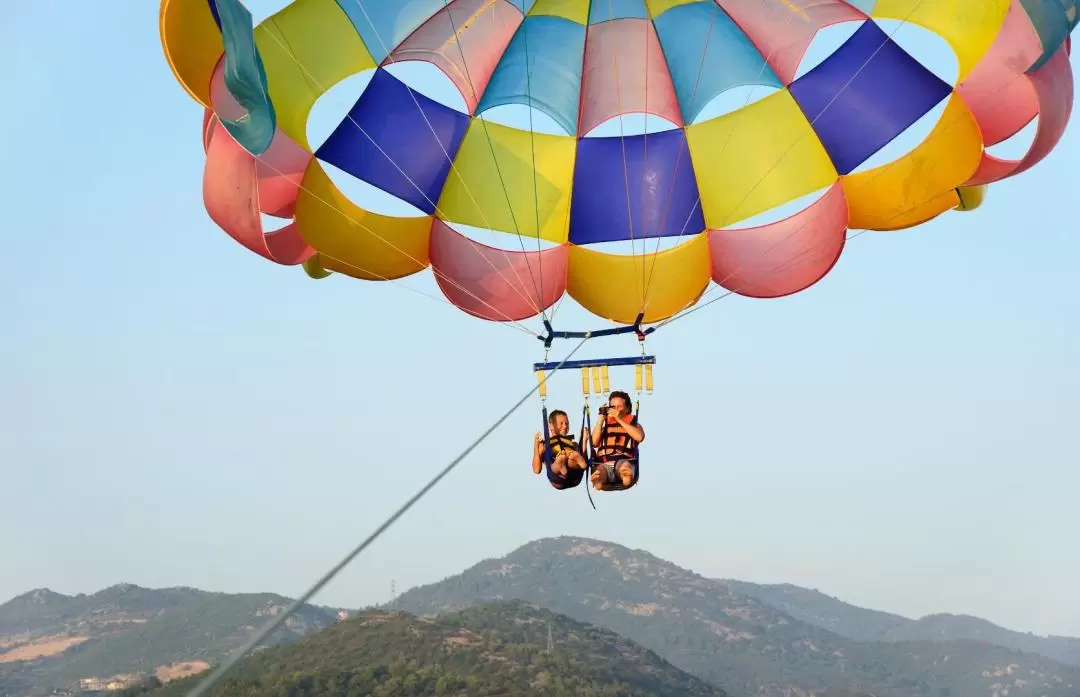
280,169
784,257
624,72
231,193
492,283
1053,87
484,29
782,31
999,97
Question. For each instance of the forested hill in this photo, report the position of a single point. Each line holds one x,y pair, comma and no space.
496,649
734,640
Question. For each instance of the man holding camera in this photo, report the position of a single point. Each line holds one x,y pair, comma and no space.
616,437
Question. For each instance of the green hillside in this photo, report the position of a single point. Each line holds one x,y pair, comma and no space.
500,649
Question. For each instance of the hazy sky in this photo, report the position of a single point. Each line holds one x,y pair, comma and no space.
175,410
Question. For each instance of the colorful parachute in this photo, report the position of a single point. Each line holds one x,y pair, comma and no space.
583,63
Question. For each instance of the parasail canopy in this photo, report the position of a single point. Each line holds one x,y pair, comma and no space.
561,199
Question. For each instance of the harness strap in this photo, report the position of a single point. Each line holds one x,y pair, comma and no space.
587,450
548,457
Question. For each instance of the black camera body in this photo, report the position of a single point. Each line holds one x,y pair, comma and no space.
603,409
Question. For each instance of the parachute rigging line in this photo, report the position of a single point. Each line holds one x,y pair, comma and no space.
698,304
678,158
468,190
512,322
204,686
456,37
309,78
731,135
491,146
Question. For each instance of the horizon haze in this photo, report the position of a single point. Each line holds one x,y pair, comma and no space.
398,590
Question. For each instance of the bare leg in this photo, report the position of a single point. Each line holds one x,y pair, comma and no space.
599,477
575,460
558,465
625,472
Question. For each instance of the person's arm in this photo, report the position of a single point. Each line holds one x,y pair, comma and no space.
538,452
597,432
635,431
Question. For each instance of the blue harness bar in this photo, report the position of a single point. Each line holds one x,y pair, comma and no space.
551,334
595,363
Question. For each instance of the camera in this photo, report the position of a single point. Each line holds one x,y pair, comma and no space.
603,409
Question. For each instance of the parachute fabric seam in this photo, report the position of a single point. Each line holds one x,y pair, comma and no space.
731,136
532,139
836,96
206,684
675,169
622,136
382,239
539,299
697,303
502,181
532,145
648,25
584,52
309,77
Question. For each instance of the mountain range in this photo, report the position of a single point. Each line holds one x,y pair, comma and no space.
731,635
740,638
860,624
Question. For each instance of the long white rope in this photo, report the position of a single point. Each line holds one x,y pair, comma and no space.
215,677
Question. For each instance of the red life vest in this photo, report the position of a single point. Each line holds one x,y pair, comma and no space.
616,443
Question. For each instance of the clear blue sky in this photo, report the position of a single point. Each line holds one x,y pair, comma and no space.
175,410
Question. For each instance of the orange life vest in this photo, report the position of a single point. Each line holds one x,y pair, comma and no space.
616,443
